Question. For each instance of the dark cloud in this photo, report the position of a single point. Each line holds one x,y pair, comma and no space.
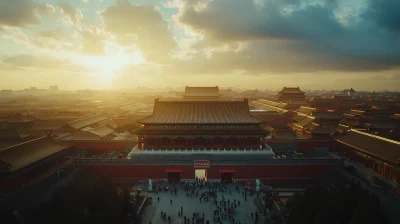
245,20
19,13
385,13
281,36
140,25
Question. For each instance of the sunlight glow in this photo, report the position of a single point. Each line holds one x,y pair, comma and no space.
109,65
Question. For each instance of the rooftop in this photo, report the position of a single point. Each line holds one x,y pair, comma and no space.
202,131
306,110
84,122
291,90
19,156
379,147
201,112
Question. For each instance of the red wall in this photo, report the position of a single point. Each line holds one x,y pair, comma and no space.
100,146
15,180
242,171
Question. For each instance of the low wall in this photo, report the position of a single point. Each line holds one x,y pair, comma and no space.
151,171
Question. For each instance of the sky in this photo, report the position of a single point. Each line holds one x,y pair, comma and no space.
263,44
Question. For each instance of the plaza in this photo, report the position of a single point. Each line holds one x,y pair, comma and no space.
192,204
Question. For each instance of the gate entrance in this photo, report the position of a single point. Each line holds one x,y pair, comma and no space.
200,174
174,177
227,176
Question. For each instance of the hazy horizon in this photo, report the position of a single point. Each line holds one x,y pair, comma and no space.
258,44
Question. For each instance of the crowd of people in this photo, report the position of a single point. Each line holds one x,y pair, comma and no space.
204,191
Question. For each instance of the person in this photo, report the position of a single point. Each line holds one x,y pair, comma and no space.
170,201
158,198
252,215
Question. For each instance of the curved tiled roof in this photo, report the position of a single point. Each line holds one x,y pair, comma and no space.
291,90
307,120
84,122
18,156
201,112
383,148
102,131
306,110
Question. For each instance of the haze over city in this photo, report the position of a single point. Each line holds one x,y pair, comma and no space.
94,44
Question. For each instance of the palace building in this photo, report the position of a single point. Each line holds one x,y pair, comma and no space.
294,97
205,136
201,124
215,140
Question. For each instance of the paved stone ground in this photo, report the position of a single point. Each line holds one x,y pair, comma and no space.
153,212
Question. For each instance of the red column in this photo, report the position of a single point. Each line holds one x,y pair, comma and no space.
157,143
140,139
172,142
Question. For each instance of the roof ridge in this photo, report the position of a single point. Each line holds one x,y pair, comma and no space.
84,118
375,136
23,143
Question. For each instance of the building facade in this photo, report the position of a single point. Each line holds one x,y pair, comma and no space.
200,124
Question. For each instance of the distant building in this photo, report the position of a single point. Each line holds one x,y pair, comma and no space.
201,93
53,88
293,96
349,92
338,96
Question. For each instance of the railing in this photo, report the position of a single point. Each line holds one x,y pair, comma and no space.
142,206
371,171
213,162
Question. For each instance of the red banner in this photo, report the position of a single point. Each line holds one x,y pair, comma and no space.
201,163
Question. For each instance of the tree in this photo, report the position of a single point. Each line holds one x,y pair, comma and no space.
340,204
127,207
86,199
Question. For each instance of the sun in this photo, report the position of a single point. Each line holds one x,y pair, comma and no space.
109,65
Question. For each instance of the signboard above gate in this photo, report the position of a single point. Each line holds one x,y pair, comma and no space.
201,163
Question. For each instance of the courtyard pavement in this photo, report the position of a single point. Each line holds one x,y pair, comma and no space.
190,205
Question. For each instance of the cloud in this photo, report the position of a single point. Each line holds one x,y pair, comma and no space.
93,41
69,13
20,13
292,36
54,39
142,26
55,34
88,41
29,61
384,13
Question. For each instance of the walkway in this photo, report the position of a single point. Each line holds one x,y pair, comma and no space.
190,205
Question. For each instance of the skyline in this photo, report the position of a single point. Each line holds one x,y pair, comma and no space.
264,44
